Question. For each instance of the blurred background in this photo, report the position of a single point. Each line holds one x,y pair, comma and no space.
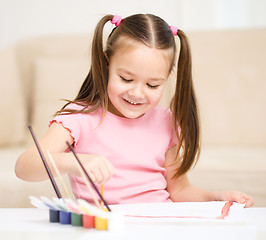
30,18
44,57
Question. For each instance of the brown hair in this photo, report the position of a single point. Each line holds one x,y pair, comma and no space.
153,32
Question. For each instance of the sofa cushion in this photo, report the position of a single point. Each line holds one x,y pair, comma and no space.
12,104
229,74
239,169
58,47
55,79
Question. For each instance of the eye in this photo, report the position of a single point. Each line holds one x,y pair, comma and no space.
152,86
126,80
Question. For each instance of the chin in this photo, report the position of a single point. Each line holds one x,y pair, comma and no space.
133,115
130,111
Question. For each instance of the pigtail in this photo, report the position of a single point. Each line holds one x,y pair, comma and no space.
99,66
93,91
184,109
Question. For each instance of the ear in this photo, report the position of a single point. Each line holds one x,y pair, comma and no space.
169,73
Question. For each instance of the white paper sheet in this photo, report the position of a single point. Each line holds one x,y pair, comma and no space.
181,212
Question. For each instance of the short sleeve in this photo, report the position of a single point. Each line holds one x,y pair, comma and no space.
71,122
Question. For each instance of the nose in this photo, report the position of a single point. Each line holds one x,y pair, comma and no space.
137,91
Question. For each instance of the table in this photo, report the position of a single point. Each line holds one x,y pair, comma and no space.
33,223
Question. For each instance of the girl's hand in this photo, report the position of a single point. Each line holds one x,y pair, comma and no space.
235,196
98,167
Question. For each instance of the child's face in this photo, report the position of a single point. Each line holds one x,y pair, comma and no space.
137,76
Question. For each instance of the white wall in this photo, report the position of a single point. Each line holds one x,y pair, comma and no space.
26,18
223,14
21,19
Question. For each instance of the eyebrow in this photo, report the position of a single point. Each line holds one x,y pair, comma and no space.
126,71
132,74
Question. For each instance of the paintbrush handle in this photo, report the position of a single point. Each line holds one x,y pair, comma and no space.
45,164
87,175
58,174
88,185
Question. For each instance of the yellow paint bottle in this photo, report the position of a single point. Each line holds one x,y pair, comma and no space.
101,221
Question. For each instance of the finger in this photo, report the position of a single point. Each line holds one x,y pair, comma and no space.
249,202
110,168
243,198
106,175
106,172
109,171
97,175
92,177
239,198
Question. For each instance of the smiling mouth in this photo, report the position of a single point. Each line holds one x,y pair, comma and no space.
133,103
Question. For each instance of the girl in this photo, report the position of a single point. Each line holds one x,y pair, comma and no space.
141,151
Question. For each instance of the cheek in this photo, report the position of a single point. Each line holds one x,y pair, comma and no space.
110,89
114,88
156,96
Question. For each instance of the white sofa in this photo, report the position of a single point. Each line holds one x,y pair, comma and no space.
230,79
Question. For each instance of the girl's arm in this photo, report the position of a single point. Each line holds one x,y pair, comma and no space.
181,190
29,165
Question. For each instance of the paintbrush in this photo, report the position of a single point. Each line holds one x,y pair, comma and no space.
87,175
59,174
83,175
45,164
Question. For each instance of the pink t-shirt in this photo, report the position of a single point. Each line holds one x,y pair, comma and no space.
135,147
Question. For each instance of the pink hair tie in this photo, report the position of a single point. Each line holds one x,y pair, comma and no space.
116,20
174,30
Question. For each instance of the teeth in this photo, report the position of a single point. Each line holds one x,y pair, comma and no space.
131,102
